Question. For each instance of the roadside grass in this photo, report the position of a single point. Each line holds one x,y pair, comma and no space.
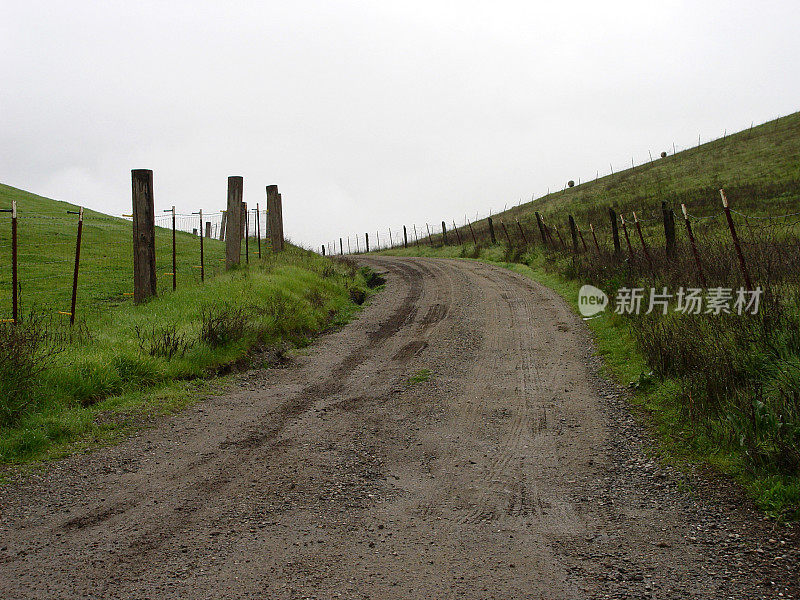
135,361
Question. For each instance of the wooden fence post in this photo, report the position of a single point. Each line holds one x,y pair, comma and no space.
223,225
233,230
405,237
366,238
669,228
748,282
458,235
583,241
574,232
641,238
77,264
144,235
430,239
416,237
208,229
444,234
341,247
472,233
695,253
323,249
614,230
274,213
358,250
491,231
560,239
14,264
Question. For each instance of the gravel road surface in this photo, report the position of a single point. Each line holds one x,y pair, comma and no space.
454,441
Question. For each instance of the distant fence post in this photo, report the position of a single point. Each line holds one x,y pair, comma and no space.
491,231
583,241
341,247
614,230
430,239
444,234
405,237
323,249
208,229
695,253
366,239
144,235
274,216
233,229
223,225
472,233
669,229
458,235
736,244
258,229
574,232
246,219
202,255
416,237
77,265
174,252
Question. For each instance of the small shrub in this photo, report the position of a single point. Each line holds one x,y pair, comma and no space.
26,350
163,341
221,325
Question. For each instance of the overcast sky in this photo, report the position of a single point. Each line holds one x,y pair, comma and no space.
374,114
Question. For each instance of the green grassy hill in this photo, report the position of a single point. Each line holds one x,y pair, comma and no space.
46,254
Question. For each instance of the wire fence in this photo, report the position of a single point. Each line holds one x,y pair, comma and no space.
47,246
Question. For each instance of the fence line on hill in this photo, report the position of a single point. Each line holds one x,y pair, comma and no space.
77,263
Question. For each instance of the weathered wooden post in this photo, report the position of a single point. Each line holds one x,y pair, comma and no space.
274,215
444,234
341,247
366,239
627,237
574,232
323,249
208,229
491,231
144,235
472,233
614,230
233,230
405,237
430,239
223,225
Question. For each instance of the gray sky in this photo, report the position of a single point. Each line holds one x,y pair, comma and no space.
374,114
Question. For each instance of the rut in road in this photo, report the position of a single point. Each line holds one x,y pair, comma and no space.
506,475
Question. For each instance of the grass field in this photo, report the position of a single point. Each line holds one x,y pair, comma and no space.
46,254
64,388
719,389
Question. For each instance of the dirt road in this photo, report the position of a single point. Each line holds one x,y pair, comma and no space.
454,441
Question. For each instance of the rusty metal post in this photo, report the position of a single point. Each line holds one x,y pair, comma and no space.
736,244
693,245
